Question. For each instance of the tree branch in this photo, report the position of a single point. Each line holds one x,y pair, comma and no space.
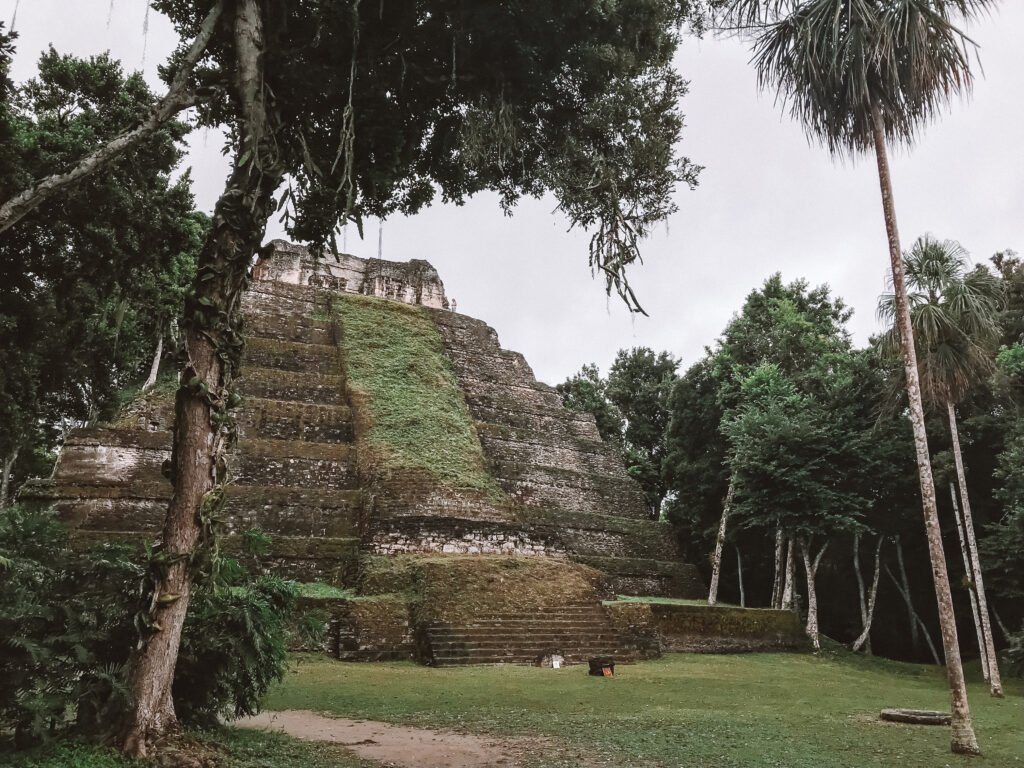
177,98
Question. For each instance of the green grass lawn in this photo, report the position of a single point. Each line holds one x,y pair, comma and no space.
230,748
785,710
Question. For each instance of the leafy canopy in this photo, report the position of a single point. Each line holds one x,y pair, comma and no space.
376,110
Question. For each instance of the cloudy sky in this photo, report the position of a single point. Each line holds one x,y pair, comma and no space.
768,201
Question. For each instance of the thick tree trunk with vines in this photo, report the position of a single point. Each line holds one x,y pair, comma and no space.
177,98
963,739
212,347
975,575
716,563
982,652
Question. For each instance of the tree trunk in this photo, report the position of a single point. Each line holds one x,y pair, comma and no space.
861,591
5,476
915,635
154,369
915,618
982,650
811,569
787,591
978,582
779,564
716,563
177,98
739,577
212,317
963,739
864,641
1002,627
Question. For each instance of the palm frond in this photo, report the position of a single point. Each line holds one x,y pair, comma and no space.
831,62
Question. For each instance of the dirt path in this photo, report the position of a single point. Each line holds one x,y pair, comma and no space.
395,745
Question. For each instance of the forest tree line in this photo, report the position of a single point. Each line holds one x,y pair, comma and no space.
801,438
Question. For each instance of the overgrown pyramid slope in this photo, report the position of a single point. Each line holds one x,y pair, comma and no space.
390,447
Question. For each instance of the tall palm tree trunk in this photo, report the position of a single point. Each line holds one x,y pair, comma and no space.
963,740
994,679
982,648
716,563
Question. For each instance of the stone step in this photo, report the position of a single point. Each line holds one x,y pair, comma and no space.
524,643
294,463
280,547
286,325
521,630
290,420
294,386
531,658
295,356
295,511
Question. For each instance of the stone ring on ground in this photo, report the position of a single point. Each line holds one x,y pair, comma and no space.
916,716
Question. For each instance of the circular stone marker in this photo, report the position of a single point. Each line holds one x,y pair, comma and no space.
916,716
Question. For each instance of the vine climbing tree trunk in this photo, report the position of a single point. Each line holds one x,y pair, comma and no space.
202,429
716,562
963,739
977,580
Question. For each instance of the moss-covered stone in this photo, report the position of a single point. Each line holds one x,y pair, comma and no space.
711,629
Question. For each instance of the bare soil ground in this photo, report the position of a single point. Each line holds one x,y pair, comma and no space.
399,746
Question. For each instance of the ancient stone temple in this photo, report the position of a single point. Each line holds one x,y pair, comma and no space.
391,449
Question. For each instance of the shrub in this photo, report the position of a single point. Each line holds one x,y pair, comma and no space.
68,627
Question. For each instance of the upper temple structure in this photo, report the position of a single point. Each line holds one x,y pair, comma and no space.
390,448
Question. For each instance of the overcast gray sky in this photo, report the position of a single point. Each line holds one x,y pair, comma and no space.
767,201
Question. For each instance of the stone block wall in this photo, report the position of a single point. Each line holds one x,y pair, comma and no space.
411,282
567,487
711,629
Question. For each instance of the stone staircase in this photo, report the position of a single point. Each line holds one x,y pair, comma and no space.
295,470
576,632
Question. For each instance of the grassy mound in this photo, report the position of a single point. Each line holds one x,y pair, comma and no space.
418,419
747,711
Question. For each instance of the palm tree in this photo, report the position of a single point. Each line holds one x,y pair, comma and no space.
859,74
955,315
